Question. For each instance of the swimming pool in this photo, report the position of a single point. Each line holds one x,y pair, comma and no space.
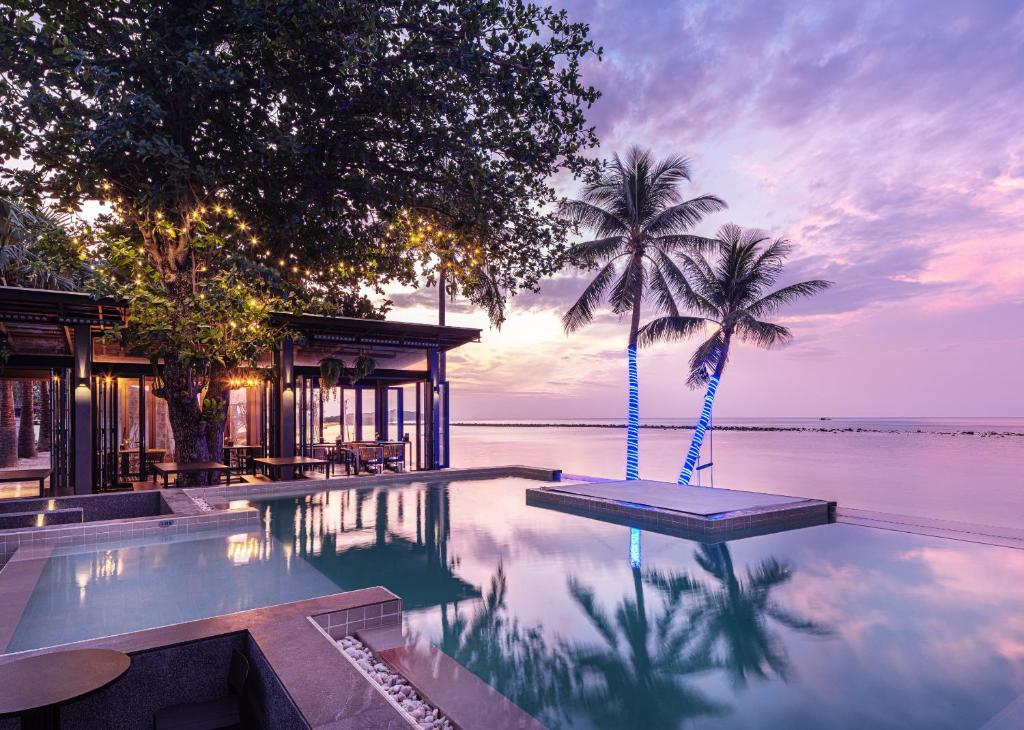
834,626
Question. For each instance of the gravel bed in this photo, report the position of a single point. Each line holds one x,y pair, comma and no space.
423,713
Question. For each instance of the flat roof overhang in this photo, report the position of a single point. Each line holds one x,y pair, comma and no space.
36,323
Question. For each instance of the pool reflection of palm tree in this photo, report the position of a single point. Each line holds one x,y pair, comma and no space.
734,615
513,659
635,676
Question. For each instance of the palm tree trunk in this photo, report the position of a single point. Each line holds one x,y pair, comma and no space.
26,427
8,425
45,426
705,418
633,417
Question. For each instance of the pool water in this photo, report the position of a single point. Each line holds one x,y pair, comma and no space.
836,626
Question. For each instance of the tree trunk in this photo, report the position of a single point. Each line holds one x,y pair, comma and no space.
198,433
26,427
705,418
45,425
633,418
8,425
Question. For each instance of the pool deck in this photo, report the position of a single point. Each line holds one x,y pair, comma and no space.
700,512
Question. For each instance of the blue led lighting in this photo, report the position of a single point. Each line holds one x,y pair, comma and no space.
633,425
634,547
698,434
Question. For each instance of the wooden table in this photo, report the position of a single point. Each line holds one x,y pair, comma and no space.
166,468
34,688
239,449
25,475
275,463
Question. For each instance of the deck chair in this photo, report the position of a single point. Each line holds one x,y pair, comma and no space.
224,712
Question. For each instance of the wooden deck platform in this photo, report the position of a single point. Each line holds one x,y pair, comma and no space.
702,513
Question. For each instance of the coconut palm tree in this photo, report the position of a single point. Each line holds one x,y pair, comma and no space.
732,295
640,220
735,615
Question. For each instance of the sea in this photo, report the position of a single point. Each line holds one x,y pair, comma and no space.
959,469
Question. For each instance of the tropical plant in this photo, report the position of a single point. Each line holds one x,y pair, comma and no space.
731,294
332,370
634,677
734,616
37,249
640,219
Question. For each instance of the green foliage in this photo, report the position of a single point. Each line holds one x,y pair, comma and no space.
317,121
331,371
215,322
39,247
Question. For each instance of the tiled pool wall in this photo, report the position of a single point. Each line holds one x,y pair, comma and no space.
104,531
219,497
177,511
339,624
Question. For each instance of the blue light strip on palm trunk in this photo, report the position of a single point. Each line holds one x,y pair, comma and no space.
698,434
633,425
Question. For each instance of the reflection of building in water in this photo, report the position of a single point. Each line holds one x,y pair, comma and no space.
356,548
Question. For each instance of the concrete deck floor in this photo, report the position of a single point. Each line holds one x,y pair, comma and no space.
705,501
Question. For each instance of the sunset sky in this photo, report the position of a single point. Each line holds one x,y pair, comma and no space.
886,139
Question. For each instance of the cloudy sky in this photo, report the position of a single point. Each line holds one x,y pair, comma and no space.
886,139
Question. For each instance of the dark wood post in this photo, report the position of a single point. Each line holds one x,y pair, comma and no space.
82,411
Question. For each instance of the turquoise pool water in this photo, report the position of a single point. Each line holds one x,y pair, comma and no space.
834,626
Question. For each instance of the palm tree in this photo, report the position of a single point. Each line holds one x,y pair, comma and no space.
634,676
24,231
735,615
640,221
730,294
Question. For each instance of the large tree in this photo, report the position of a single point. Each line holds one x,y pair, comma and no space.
253,147
640,219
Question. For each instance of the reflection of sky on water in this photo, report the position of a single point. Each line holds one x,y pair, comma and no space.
830,626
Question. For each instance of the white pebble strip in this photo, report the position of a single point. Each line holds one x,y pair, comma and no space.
425,714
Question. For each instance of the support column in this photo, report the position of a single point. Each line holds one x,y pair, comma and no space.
359,414
83,449
433,404
381,409
286,403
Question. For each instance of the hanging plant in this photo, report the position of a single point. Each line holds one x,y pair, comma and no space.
363,366
331,372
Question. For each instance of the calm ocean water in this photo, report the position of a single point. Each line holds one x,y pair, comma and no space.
936,467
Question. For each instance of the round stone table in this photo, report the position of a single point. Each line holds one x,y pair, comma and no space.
34,688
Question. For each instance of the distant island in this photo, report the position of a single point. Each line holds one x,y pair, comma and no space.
689,427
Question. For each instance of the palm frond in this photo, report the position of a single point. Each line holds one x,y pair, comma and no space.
582,312
684,216
593,217
629,287
663,292
685,243
663,329
681,287
592,253
761,333
705,360
786,295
